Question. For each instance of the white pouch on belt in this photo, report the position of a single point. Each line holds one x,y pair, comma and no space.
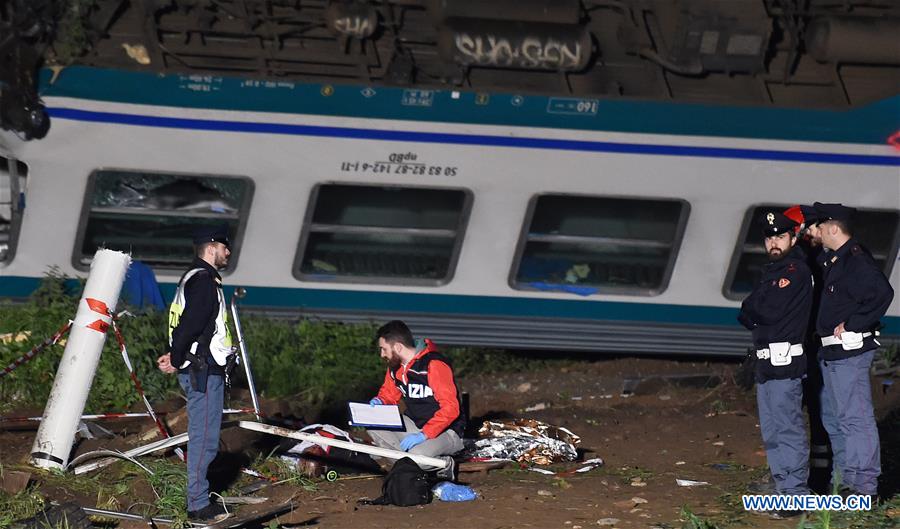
851,341
780,353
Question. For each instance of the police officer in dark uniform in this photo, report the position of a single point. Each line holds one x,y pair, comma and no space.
777,312
817,408
199,349
855,296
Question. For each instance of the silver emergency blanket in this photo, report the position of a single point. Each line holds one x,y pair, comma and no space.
526,441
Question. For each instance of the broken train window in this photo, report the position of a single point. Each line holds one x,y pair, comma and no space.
151,215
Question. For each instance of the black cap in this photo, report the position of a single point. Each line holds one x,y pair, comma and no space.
810,215
826,212
218,233
776,223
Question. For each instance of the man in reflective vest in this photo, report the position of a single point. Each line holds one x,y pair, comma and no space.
422,378
777,312
199,348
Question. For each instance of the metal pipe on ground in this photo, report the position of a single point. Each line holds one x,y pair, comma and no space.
423,461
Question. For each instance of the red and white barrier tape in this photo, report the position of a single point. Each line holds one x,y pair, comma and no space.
140,389
35,350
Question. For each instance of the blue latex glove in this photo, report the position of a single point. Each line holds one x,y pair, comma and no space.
411,440
375,402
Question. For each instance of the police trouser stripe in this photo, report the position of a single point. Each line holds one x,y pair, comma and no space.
818,462
818,449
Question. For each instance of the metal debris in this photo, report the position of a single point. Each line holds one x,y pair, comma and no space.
526,441
135,452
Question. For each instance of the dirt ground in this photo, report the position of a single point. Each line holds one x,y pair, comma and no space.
655,432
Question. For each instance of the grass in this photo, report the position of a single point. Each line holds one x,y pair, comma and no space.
284,472
169,482
631,473
692,521
23,504
884,516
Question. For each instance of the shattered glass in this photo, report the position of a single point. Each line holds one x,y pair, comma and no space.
113,189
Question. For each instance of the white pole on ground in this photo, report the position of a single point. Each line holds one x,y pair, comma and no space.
72,383
423,461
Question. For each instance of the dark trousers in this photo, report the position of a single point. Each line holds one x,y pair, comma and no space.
848,391
784,433
204,424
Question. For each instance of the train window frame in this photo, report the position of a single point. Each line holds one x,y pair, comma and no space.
236,242
17,205
737,252
680,230
308,225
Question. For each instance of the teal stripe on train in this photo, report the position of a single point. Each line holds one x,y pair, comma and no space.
325,299
870,124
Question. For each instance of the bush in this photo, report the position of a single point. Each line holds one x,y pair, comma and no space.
48,308
319,365
310,363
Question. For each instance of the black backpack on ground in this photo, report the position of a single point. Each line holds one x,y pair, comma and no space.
406,485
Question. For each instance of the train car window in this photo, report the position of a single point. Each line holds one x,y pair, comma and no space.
13,177
599,245
382,234
877,229
151,215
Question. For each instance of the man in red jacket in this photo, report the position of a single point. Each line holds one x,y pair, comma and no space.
422,378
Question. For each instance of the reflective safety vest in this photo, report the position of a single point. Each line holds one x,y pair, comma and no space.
220,344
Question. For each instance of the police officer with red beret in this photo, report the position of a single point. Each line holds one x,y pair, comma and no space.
777,313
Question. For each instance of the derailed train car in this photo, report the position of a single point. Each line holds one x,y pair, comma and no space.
491,219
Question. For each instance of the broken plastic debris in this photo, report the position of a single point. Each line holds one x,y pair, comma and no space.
305,455
525,440
689,483
589,465
447,491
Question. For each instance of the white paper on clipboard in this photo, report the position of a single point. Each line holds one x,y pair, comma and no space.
381,416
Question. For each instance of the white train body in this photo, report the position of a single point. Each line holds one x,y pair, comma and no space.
715,180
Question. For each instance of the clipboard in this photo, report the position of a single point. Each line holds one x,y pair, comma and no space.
381,416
